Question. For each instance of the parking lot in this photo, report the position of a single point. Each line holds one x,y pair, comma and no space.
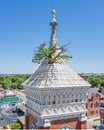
8,116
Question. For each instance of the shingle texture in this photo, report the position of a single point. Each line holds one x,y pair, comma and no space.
55,75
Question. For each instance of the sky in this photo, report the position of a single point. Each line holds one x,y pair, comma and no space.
24,24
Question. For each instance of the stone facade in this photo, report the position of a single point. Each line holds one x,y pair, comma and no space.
56,105
56,95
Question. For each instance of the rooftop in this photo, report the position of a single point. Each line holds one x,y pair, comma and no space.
58,74
10,100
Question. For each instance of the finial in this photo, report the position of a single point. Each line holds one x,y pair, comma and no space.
53,12
53,22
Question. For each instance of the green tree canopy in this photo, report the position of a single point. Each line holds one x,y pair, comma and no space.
96,80
15,126
9,82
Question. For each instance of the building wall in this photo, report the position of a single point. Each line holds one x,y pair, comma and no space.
93,105
57,124
102,116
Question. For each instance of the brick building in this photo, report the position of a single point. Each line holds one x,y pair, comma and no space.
56,95
94,97
93,102
102,116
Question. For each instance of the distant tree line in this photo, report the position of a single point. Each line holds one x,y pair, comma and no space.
96,80
13,82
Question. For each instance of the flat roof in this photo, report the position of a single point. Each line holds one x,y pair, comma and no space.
10,99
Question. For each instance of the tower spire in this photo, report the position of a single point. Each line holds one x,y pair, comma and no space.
53,23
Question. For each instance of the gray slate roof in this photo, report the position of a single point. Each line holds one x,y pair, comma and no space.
55,75
92,91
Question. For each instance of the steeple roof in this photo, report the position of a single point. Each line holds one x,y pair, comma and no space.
57,74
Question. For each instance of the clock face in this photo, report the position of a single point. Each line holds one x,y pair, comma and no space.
32,126
66,128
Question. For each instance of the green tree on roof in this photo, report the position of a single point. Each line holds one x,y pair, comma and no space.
52,53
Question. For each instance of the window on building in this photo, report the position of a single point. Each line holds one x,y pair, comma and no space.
54,97
97,104
84,94
101,120
44,97
91,112
42,103
49,97
71,100
63,96
76,100
58,96
66,128
32,126
58,102
80,100
86,105
49,103
63,101
67,101
68,96
91,105
53,102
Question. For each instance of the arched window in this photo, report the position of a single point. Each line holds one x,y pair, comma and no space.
32,126
66,128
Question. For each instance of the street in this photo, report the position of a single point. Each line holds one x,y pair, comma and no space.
8,116
91,122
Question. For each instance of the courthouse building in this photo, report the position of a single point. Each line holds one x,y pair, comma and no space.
56,95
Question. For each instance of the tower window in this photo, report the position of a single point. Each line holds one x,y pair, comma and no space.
76,100
53,102
54,97
49,103
91,105
58,96
58,102
67,101
71,100
32,126
49,97
63,96
63,101
80,100
66,128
